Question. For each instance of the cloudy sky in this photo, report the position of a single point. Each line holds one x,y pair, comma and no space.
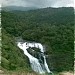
38,3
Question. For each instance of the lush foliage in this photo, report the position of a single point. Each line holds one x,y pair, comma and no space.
12,57
53,27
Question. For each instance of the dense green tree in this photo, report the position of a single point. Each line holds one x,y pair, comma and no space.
53,27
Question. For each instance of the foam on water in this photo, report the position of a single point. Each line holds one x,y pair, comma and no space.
35,64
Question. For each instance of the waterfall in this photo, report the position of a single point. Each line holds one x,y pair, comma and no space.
35,64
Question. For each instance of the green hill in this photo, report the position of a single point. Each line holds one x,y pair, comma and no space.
18,8
52,27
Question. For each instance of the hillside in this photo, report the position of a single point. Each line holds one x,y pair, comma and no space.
52,27
18,8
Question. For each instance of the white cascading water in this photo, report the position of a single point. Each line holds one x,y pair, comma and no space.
35,64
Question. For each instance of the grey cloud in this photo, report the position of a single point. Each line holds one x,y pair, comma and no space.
38,3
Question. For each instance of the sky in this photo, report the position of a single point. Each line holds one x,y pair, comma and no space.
38,3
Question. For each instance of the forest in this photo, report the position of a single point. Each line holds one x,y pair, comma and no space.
53,27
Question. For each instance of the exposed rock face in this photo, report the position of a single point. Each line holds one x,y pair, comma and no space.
66,73
1,72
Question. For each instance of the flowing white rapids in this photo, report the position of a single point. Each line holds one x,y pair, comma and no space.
35,64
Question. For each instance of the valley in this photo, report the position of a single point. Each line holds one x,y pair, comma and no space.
52,27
